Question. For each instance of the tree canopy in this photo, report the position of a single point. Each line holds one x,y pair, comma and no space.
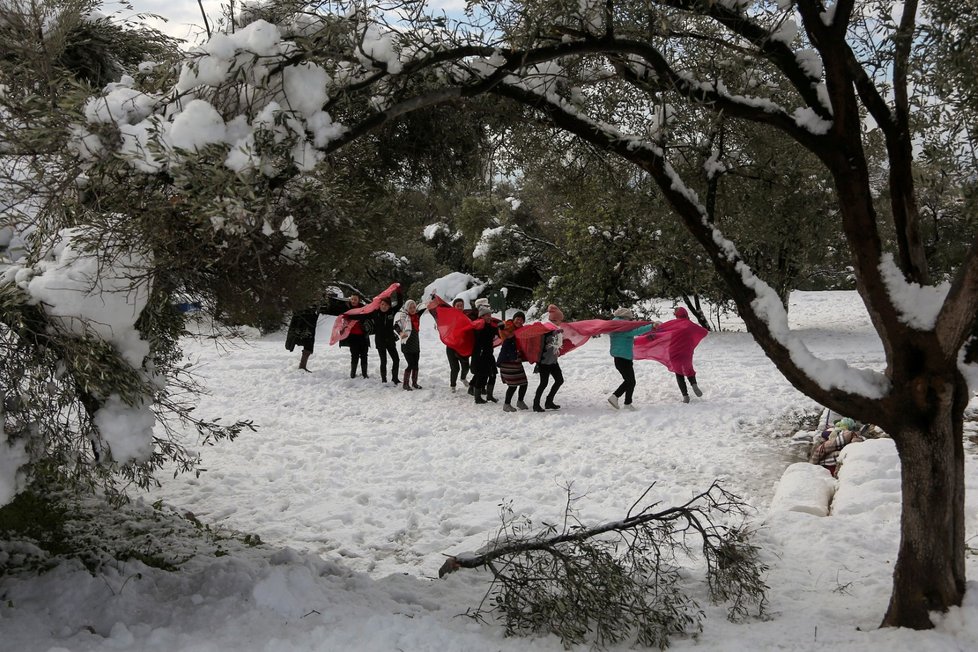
726,106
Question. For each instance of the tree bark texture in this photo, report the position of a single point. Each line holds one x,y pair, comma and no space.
930,573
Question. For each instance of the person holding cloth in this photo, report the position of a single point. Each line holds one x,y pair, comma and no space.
621,350
549,365
408,325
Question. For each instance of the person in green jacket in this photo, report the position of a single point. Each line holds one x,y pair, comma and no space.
621,350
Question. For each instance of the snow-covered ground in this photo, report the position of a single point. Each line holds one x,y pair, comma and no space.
358,490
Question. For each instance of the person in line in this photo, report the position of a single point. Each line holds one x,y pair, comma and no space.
408,325
385,338
684,363
302,332
483,364
511,364
457,363
358,341
479,303
549,365
672,343
621,350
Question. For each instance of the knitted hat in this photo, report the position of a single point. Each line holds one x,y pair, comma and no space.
681,313
519,314
481,301
409,303
484,310
624,313
555,313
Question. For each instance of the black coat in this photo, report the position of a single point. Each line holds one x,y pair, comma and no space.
383,323
302,330
483,360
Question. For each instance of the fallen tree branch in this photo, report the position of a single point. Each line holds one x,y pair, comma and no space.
622,578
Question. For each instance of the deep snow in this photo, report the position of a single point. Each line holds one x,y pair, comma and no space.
359,489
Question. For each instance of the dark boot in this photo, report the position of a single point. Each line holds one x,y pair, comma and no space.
489,387
478,399
696,389
414,380
550,405
353,368
407,380
304,360
536,407
363,368
685,398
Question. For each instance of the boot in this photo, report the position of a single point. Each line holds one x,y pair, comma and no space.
550,405
471,390
414,380
536,407
478,399
407,380
696,389
490,386
522,405
508,408
304,360
685,398
363,368
614,401
353,368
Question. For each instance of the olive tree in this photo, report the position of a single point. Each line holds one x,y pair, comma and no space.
829,77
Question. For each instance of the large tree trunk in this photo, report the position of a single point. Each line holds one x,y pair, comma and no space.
929,573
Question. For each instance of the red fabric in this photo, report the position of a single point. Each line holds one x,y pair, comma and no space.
455,329
576,333
672,344
343,326
529,340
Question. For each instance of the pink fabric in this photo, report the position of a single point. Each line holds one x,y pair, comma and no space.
672,344
343,326
576,333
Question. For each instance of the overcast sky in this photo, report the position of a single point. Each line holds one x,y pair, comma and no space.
183,16
184,19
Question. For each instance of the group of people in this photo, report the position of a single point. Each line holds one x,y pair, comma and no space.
472,335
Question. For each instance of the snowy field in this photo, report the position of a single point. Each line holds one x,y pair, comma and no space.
358,490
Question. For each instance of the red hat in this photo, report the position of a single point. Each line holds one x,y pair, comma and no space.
681,313
555,314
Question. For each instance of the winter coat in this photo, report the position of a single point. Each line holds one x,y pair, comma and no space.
622,343
482,358
550,351
302,330
412,344
384,323
508,351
